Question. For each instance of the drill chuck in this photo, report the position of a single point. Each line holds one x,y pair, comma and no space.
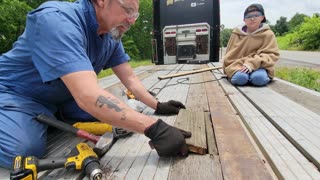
96,174
92,168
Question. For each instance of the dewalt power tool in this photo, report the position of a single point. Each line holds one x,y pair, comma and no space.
130,95
80,158
100,128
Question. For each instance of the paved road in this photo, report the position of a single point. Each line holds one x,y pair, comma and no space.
299,58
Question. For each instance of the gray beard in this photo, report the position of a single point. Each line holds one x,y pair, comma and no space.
115,34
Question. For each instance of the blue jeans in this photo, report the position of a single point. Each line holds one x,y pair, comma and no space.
258,77
20,133
72,113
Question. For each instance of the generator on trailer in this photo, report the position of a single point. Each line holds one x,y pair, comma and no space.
185,31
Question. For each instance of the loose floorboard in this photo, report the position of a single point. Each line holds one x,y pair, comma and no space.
194,122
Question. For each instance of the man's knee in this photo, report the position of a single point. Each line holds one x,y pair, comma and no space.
22,135
32,145
24,145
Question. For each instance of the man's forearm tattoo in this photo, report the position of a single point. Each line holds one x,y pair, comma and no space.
111,104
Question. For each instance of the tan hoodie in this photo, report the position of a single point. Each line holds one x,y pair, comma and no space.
254,50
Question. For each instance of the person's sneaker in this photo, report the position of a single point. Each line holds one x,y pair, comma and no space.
120,133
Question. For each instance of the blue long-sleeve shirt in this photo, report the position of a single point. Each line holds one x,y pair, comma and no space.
59,38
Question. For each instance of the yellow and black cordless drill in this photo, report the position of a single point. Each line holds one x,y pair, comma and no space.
80,158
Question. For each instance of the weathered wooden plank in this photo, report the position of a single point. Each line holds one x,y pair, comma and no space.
127,162
211,139
196,167
163,168
196,100
111,160
286,161
197,97
152,160
150,166
138,164
63,174
194,122
171,91
300,125
145,76
280,149
155,166
113,79
116,147
67,141
187,73
4,174
238,156
176,92
53,133
121,163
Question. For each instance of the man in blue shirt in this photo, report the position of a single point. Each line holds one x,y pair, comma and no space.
55,62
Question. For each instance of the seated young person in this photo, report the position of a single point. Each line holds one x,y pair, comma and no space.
252,50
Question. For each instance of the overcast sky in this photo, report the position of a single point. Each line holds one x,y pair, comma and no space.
232,10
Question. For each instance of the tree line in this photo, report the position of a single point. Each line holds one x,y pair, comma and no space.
137,41
301,32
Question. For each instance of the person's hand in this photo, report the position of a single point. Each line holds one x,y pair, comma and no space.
245,69
170,107
167,140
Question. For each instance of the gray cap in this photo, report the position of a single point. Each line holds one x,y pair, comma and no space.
255,7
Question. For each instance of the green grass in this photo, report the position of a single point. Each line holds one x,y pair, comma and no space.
133,64
306,77
284,44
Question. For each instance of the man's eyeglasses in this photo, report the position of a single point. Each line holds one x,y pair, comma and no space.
252,16
129,11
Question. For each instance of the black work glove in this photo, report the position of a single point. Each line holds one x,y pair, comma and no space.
170,107
167,140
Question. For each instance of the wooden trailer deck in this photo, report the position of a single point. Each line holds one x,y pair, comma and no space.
254,133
